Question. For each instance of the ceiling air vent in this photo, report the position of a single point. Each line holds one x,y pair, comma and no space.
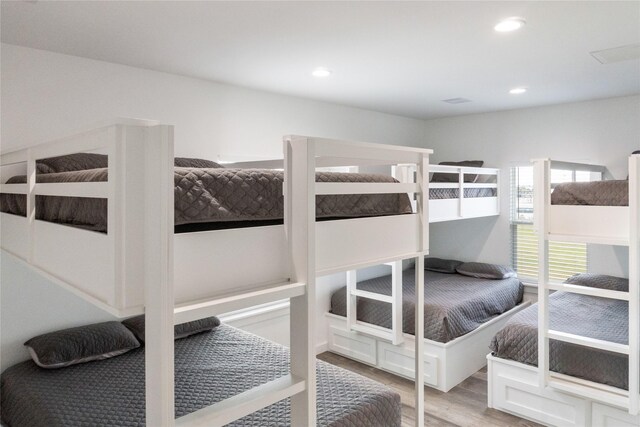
617,54
456,100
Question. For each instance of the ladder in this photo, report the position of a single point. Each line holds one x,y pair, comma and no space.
395,334
617,397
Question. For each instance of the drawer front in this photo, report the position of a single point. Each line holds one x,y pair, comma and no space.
607,416
353,345
400,360
527,400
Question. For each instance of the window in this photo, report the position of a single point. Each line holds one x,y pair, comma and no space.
565,259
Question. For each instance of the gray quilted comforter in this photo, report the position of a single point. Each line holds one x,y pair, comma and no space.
599,318
597,193
209,367
454,304
212,195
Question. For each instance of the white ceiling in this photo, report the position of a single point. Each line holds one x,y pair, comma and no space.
397,57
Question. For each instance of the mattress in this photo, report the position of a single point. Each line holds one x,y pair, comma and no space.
469,193
593,317
209,367
596,193
212,195
454,304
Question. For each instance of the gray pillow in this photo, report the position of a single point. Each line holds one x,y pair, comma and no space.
452,177
441,265
486,271
72,162
186,162
82,344
183,330
601,281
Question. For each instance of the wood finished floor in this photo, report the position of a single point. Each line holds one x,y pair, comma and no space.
464,406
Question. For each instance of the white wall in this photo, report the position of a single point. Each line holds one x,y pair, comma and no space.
601,132
44,95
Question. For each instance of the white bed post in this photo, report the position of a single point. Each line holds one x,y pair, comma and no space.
31,203
422,179
300,225
352,307
542,194
158,276
396,306
401,173
634,284
461,192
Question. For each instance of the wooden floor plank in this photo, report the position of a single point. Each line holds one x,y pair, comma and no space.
463,406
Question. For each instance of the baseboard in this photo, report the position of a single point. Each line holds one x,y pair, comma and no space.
322,347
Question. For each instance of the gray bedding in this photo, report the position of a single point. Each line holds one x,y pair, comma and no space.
454,304
209,367
206,195
452,193
593,317
596,193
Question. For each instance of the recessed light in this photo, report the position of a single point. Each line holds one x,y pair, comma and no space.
509,24
321,72
518,90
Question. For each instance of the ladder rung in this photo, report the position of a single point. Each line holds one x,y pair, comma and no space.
372,295
236,301
588,342
586,290
243,404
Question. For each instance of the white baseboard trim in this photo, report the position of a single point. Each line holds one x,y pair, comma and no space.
322,347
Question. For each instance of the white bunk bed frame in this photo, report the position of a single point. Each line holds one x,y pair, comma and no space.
445,364
556,399
139,265
462,207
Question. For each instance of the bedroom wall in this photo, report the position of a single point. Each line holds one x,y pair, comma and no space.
601,132
44,95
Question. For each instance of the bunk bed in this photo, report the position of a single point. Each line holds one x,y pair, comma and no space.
581,366
139,265
462,314
456,192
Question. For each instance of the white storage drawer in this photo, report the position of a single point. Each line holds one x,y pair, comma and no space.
353,345
401,361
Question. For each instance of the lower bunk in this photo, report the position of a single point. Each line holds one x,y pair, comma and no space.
514,381
209,367
462,314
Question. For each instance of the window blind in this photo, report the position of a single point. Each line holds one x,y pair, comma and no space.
565,259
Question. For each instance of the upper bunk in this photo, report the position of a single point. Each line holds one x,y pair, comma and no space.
589,209
458,192
106,266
